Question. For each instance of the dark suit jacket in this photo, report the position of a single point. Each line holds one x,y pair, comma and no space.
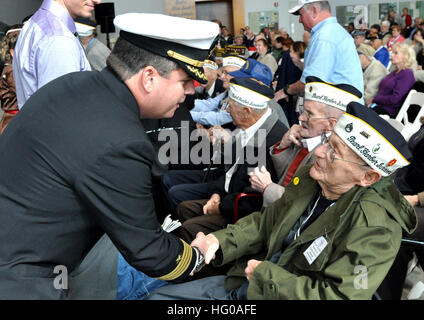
240,179
76,163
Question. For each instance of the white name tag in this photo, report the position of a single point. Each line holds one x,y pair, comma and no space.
315,249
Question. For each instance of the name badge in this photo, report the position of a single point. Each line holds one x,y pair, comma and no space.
315,249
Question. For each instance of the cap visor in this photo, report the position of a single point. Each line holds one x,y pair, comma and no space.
239,74
295,10
195,73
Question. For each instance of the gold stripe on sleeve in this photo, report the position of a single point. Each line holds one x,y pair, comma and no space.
183,262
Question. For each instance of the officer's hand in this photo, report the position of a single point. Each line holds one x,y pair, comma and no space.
251,266
207,244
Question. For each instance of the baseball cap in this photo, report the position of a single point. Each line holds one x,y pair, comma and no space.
254,69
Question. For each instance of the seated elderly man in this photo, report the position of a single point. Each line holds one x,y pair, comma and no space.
181,185
381,52
374,72
324,104
214,87
385,32
211,112
333,235
359,37
258,128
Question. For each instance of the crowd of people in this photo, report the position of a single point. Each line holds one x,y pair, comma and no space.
279,163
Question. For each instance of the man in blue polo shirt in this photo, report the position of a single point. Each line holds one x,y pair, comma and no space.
331,54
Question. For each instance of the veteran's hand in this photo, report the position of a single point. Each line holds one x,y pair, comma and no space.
292,136
251,266
280,95
212,206
209,245
413,200
260,179
219,134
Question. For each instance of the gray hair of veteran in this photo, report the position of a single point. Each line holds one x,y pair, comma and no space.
321,5
127,60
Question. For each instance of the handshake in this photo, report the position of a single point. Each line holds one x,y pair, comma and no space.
207,245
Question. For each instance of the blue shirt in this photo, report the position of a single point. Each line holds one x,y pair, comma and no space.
209,113
332,56
383,55
46,49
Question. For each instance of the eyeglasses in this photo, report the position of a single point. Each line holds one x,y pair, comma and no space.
223,73
331,154
307,116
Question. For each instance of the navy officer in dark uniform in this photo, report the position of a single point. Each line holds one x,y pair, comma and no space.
77,162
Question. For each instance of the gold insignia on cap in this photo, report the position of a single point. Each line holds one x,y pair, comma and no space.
197,72
296,181
310,89
185,59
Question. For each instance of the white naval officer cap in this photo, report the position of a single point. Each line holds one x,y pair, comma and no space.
187,42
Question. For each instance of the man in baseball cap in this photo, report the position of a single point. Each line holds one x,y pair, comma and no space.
331,54
295,10
254,69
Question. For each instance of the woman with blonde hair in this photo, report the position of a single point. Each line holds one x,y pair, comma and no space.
8,99
395,86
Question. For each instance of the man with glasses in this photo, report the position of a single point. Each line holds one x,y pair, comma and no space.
182,185
333,235
323,106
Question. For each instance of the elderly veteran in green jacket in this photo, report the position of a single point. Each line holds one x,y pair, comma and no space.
324,104
333,235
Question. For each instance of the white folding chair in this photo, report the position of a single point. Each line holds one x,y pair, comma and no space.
396,124
410,126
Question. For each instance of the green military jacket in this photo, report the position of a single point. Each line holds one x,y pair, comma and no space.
363,230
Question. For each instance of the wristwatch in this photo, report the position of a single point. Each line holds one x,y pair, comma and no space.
200,261
286,90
